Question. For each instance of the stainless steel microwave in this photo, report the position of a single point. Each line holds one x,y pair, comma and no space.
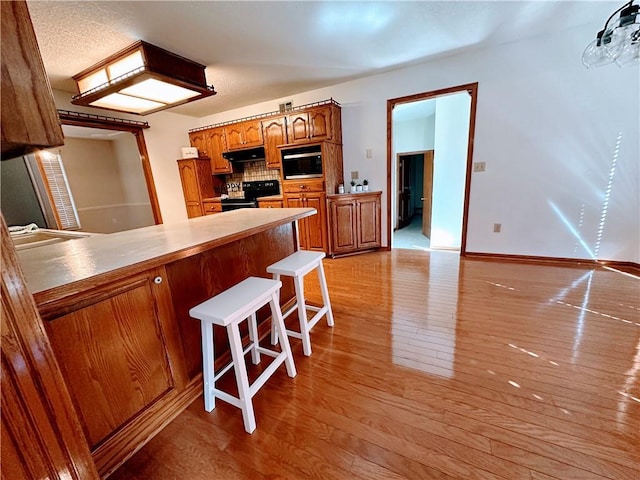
302,162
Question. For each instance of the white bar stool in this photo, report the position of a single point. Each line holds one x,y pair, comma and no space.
228,309
297,265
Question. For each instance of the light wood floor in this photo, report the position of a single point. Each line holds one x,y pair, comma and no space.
437,367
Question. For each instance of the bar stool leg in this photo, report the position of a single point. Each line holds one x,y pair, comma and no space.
276,314
253,338
302,315
207,366
240,368
325,294
274,333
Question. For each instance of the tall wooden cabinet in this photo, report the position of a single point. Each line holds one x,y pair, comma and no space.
211,143
354,222
197,184
274,131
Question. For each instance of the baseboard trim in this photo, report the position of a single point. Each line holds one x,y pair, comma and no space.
627,267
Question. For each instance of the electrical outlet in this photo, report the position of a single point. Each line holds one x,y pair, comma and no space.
369,153
354,175
497,227
479,166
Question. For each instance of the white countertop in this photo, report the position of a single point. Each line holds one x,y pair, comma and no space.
64,263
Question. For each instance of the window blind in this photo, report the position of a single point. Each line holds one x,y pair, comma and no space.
55,180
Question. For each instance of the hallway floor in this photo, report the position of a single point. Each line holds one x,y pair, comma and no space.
411,236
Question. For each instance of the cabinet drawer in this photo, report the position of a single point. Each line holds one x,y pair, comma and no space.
212,207
297,186
270,204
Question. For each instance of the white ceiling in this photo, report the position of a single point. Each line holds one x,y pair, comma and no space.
260,51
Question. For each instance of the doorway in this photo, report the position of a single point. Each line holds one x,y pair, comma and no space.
414,193
123,194
429,163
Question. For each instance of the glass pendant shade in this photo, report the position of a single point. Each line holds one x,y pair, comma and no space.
618,42
141,79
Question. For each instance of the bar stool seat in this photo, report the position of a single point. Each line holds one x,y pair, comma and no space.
297,265
228,309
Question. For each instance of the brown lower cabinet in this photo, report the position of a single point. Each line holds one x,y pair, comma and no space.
312,231
354,222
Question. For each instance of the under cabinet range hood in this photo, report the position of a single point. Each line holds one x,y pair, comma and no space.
247,155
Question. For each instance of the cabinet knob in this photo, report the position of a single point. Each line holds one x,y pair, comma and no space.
157,280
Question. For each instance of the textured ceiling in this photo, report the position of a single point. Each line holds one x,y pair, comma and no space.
259,51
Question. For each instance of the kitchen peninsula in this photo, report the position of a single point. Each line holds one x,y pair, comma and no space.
115,308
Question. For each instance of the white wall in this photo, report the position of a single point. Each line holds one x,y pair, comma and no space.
414,135
546,127
449,169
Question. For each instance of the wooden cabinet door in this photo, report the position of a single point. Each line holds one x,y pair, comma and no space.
298,201
198,139
320,123
234,136
189,180
195,176
216,145
316,224
244,134
298,128
342,216
114,374
275,133
252,133
368,222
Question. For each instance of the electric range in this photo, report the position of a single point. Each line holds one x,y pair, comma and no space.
252,191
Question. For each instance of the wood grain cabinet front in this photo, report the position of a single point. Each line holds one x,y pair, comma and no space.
216,146
315,124
211,207
274,131
244,134
29,116
269,203
197,184
354,222
119,351
312,231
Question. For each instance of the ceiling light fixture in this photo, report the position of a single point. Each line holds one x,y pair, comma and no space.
618,41
141,79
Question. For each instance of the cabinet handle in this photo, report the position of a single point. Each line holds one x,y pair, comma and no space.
157,280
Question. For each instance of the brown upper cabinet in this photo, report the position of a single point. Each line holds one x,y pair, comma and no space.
198,140
243,134
275,133
216,145
29,116
314,124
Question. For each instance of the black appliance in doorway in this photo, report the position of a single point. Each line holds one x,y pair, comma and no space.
252,191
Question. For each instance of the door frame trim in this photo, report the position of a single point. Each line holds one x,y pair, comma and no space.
131,126
472,89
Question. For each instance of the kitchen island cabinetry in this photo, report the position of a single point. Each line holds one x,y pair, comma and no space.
244,134
354,222
197,184
116,308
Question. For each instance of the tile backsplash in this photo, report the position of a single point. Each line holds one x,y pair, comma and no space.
252,171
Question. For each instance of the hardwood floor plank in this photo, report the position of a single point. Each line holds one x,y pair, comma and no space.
413,381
